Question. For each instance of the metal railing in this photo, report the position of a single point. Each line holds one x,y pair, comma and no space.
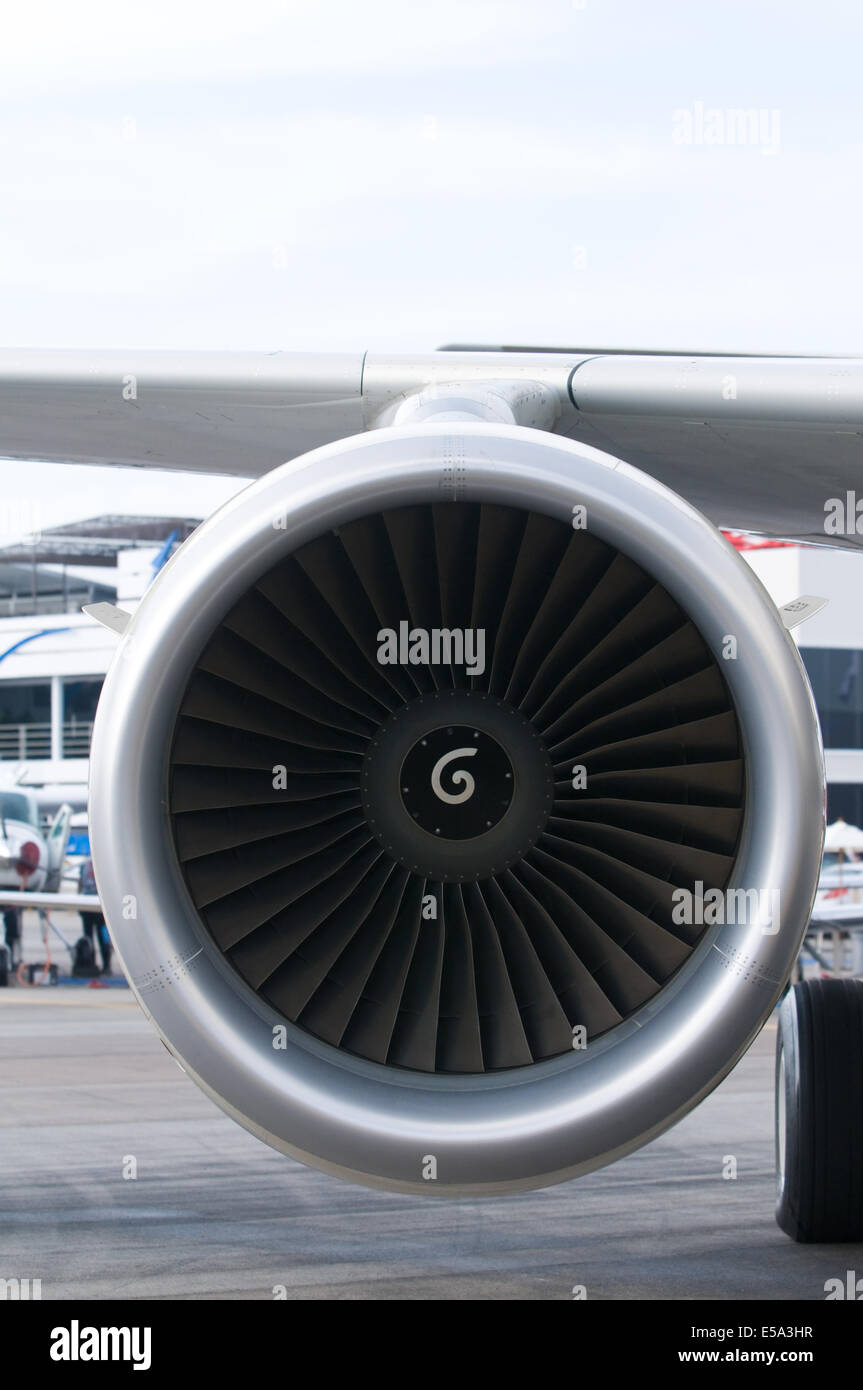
19,742
76,739
27,604
32,742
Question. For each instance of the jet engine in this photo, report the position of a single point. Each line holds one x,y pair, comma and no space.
456,804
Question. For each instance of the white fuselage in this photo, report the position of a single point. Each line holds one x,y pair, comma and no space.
14,834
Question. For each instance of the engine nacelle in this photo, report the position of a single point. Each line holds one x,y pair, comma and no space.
456,802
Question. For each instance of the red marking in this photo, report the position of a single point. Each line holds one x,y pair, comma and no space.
28,859
742,540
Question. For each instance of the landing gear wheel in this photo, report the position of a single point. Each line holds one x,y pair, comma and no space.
819,1111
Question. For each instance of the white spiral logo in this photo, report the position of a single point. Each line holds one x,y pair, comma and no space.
460,778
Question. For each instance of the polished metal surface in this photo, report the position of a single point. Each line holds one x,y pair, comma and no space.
534,404
83,902
756,443
204,412
783,390
509,1130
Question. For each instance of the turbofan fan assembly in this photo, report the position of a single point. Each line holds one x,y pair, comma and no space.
428,750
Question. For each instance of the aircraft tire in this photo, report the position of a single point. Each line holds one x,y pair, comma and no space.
819,1111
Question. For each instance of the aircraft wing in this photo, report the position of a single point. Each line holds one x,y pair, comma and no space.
756,443
72,902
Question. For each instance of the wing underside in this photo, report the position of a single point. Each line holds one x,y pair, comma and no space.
757,443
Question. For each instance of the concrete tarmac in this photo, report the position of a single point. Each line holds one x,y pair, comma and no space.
86,1087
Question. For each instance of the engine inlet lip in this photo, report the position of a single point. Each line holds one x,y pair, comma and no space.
512,1130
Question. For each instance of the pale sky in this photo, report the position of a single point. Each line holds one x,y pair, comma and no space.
392,175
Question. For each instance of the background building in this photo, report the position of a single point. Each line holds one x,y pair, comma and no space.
53,657
831,645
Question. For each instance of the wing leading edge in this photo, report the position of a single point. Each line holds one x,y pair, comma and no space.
763,444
